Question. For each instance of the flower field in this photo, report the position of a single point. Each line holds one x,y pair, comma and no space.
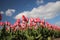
28,29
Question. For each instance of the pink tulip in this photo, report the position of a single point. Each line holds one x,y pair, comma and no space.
37,20
11,26
1,23
23,26
31,19
57,28
30,26
18,20
7,23
7,29
24,22
24,18
48,25
42,25
54,27
43,21
15,24
34,24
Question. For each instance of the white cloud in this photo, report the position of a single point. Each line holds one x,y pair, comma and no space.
39,2
57,23
1,12
48,11
9,12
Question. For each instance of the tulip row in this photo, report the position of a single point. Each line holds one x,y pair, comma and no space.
29,29
29,23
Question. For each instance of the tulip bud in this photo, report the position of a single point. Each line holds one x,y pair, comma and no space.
24,18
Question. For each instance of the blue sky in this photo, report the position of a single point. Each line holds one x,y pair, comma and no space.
13,9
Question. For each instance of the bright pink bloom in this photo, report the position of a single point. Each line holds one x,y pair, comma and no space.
18,20
24,18
11,26
24,22
37,20
31,19
47,24
7,23
42,25
15,24
7,29
43,21
23,25
30,26
54,27
1,23
34,24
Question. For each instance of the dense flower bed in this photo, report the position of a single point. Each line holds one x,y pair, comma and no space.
29,29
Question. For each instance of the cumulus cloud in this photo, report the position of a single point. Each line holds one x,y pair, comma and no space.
57,23
9,12
47,11
1,12
39,2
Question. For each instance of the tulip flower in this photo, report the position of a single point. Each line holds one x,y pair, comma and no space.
57,28
15,24
11,26
24,18
31,19
7,28
1,23
35,26
42,25
24,22
23,26
43,21
18,20
54,27
7,23
30,25
37,20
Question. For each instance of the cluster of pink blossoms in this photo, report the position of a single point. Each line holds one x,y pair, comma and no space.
26,23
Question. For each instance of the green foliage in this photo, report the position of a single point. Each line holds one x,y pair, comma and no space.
29,34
